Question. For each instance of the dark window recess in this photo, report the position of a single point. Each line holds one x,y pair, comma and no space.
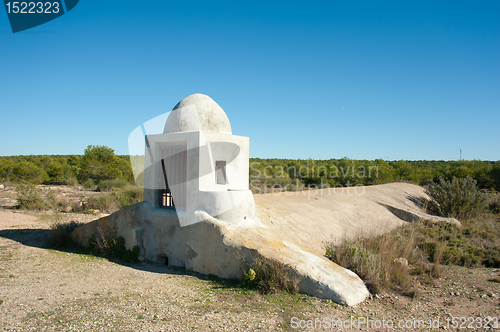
220,172
166,199
173,191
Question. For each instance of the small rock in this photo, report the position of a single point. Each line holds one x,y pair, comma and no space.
491,294
2,186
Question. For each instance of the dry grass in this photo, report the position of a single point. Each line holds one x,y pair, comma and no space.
29,197
60,235
105,246
269,276
381,260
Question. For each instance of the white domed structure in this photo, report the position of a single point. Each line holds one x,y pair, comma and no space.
197,166
197,112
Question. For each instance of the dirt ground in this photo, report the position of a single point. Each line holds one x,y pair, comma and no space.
48,290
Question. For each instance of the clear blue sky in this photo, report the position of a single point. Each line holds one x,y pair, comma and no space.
303,79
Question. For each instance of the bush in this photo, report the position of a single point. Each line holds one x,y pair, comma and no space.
112,248
269,276
60,173
60,234
104,202
108,185
363,261
28,172
378,262
129,195
383,261
458,198
494,204
100,163
30,198
89,183
120,197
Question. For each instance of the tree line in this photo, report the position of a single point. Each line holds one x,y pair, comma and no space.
287,174
100,163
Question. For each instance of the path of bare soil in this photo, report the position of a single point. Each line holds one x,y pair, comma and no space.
49,290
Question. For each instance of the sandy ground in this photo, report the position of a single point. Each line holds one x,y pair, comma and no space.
50,290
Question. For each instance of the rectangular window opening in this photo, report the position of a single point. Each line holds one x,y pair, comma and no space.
166,195
220,172
173,169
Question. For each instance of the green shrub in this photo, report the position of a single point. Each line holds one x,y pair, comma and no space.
30,198
60,173
112,248
28,172
458,198
249,277
100,163
129,195
380,261
118,198
269,276
89,183
494,204
108,185
362,260
104,202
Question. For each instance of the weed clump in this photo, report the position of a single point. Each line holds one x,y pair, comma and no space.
119,197
60,234
380,261
29,197
108,185
112,248
269,276
494,204
363,260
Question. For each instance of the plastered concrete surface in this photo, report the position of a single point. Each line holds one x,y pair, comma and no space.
311,219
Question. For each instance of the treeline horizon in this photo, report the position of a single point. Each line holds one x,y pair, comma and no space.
351,172
101,163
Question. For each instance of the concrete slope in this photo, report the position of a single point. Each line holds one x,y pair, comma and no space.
311,219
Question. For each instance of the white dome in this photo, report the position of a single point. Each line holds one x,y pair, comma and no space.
197,112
